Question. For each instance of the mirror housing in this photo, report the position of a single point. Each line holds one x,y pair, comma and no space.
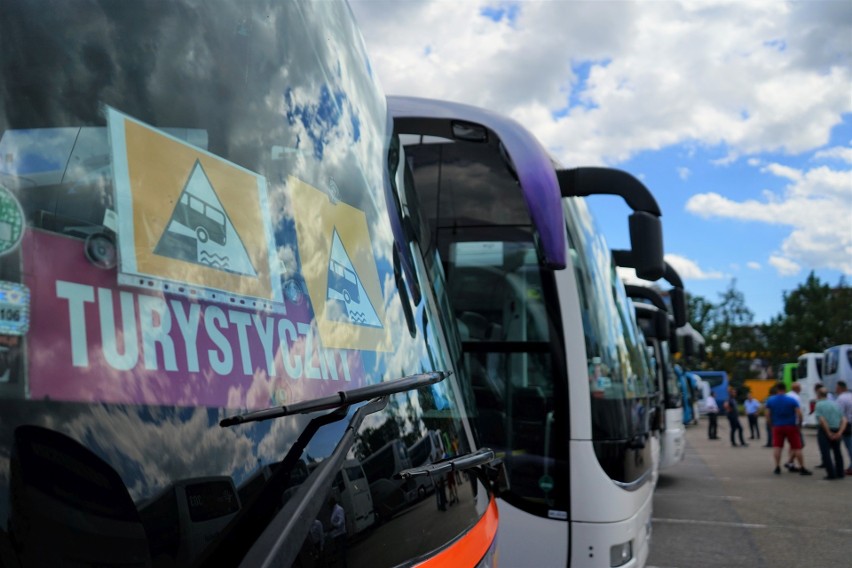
646,242
661,325
646,230
679,311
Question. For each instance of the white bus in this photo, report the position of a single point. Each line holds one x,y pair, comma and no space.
353,493
425,451
809,375
562,386
389,494
656,326
837,366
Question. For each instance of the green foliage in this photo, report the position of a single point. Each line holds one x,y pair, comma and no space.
815,317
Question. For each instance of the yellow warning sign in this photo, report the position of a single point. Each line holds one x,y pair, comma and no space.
339,270
188,216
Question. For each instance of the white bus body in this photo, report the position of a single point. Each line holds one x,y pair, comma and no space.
809,375
837,366
540,334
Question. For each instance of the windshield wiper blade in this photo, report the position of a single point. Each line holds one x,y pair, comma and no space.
483,456
282,539
341,399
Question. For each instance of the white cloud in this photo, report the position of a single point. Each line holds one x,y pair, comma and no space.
752,76
684,173
784,266
754,265
689,269
837,153
816,205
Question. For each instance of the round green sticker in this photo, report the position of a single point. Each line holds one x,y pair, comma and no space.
11,221
546,483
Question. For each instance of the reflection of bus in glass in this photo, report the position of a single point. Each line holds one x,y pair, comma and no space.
186,516
344,281
207,221
556,360
426,450
353,494
69,506
143,365
718,382
389,494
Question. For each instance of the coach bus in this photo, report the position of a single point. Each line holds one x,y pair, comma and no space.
557,363
658,328
155,383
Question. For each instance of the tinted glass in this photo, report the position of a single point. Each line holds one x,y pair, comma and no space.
502,303
620,380
179,185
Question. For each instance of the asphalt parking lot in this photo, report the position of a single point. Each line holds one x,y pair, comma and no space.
723,507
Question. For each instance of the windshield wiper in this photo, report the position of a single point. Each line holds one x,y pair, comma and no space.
240,537
341,399
483,463
480,457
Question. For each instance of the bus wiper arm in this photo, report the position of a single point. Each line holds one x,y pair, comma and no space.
478,458
341,399
280,542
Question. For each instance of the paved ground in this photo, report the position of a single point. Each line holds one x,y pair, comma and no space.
723,507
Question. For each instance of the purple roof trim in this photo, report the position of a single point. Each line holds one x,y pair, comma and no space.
532,164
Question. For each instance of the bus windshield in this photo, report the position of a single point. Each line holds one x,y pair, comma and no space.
198,219
620,380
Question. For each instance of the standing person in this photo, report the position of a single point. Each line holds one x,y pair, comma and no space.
712,414
844,400
768,443
832,423
752,407
733,413
784,413
794,393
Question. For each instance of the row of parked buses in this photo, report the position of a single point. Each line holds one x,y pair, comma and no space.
256,313
821,369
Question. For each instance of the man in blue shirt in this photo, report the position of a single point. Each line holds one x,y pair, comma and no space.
785,415
752,407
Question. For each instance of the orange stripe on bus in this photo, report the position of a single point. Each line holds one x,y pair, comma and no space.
471,548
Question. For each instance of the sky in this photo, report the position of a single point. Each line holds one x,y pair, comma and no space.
737,115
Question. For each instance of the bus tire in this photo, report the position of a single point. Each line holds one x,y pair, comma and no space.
202,234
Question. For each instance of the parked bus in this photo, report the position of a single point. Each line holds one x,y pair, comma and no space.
169,382
718,383
382,468
427,450
809,375
562,386
186,516
656,327
353,494
837,366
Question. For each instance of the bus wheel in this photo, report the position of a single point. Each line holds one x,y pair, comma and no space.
347,297
421,492
202,235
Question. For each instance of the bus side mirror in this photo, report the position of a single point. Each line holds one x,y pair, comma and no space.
678,299
646,243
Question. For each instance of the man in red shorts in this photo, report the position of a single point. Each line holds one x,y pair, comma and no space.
785,416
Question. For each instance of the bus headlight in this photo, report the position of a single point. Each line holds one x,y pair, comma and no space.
621,554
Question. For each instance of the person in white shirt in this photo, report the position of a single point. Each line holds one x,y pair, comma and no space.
712,414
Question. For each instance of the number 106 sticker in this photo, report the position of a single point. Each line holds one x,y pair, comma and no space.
14,308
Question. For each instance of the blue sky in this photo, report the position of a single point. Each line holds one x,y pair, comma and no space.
737,115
